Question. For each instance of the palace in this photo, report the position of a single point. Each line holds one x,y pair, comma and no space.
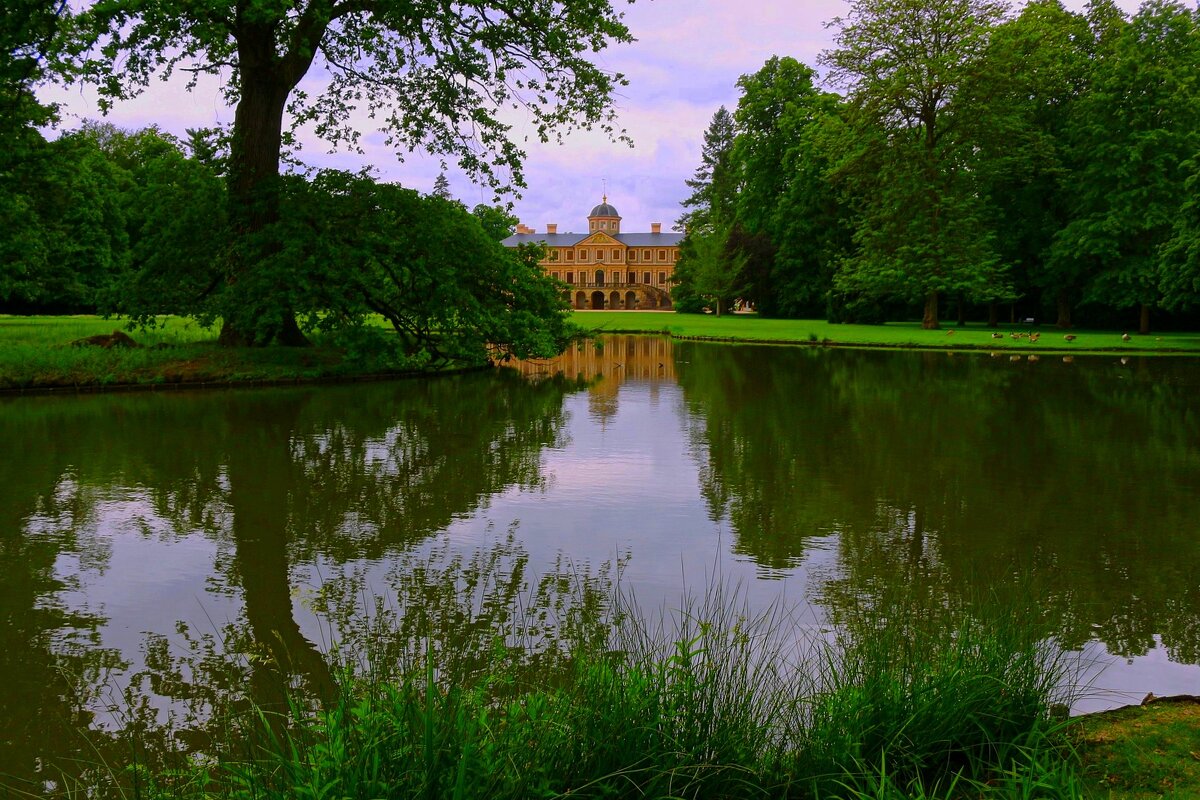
605,268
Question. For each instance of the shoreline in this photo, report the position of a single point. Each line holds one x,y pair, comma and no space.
930,348
248,383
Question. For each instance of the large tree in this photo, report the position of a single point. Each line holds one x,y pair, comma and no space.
904,156
790,220
1132,137
435,74
1020,102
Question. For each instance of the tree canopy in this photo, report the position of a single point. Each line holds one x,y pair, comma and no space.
433,76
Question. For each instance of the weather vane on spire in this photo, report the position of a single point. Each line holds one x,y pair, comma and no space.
604,184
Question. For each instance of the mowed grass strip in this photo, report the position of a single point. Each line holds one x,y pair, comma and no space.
752,328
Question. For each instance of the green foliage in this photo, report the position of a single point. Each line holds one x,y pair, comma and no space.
1132,136
707,273
791,217
919,226
351,247
714,186
1019,105
497,221
67,239
708,701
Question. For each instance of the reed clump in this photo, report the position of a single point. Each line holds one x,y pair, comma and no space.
710,700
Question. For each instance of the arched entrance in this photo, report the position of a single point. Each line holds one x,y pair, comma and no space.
614,300
599,277
580,300
597,299
631,300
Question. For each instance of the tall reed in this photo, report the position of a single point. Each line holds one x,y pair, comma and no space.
711,700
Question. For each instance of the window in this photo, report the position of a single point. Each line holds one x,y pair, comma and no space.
662,255
633,255
583,255
662,279
604,224
616,255
645,277
570,255
675,255
633,277
554,275
553,256
645,255
570,276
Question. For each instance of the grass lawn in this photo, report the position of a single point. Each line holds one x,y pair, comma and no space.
37,352
1142,752
751,328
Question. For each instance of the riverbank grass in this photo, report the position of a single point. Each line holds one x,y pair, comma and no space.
709,702
752,328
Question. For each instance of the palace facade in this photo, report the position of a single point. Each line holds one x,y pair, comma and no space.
605,268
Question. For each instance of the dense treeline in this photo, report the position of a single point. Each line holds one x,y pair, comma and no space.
979,161
137,223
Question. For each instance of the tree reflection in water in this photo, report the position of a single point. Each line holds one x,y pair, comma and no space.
1077,481
273,478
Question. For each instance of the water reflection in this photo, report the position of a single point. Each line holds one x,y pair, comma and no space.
129,523
271,478
1079,480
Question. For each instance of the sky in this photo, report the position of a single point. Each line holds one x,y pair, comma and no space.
684,65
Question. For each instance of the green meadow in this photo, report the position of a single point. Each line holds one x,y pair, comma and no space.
751,328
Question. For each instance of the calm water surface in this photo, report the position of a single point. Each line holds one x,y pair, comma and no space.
137,529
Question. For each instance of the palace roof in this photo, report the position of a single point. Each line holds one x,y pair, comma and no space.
572,239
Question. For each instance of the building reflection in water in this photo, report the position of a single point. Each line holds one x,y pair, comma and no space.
607,364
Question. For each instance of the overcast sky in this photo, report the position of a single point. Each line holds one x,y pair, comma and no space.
683,66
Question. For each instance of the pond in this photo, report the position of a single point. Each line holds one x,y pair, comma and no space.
143,534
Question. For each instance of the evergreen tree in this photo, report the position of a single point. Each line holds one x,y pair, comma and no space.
441,187
714,187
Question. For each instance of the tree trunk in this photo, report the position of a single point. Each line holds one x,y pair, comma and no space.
993,315
254,191
1144,320
962,313
930,320
1064,310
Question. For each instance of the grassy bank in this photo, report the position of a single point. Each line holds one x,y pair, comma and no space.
711,701
750,328
37,352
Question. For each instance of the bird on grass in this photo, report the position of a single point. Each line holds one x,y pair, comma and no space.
1125,337
997,335
1070,337
950,333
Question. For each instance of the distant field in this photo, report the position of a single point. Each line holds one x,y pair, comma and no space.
748,327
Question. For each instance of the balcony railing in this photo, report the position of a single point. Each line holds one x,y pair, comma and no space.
615,285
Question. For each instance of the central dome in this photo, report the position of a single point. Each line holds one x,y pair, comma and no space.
604,210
